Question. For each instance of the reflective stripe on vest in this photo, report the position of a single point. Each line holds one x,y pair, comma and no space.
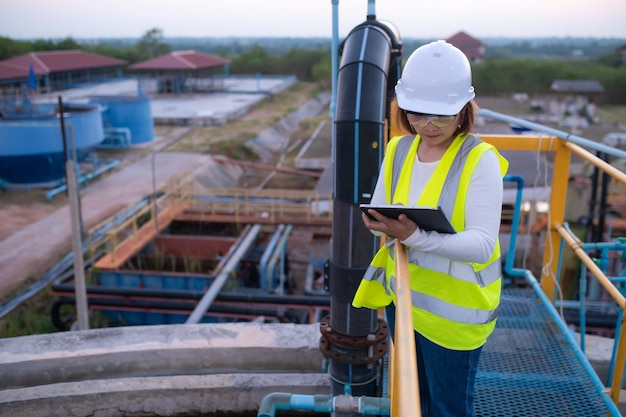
449,311
454,303
460,270
374,280
482,274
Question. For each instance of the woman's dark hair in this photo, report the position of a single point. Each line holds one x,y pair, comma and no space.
467,118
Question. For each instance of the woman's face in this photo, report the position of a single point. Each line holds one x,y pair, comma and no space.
434,130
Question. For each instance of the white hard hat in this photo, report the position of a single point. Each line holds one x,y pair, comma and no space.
436,79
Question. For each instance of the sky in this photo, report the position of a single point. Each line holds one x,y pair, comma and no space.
79,19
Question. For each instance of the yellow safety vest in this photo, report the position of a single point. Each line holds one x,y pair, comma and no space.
454,303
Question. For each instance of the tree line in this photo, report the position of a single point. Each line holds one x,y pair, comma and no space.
496,76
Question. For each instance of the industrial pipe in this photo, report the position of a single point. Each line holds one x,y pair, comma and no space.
323,404
267,254
370,67
222,277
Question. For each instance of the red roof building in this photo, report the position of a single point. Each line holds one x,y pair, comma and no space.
181,60
473,48
181,72
9,71
58,70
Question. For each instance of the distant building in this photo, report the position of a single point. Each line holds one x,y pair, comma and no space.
576,101
473,48
181,72
588,88
58,70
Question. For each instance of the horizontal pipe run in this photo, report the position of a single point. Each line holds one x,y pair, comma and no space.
83,178
342,404
171,294
153,307
285,401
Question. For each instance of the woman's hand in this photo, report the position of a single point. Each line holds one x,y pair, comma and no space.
401,228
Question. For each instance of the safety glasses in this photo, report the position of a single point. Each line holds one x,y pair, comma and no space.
421,120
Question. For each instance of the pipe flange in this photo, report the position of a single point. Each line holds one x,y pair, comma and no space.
367,349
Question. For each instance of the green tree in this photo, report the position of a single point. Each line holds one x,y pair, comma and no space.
10,48
43,45
496,77
151,44
255,60
67,44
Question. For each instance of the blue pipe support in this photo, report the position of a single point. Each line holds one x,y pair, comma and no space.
323,404
510,256
567,333
618,331
604,247
267,255
83,178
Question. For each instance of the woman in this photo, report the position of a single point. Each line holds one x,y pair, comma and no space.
454,278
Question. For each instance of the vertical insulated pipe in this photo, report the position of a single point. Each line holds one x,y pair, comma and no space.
358,137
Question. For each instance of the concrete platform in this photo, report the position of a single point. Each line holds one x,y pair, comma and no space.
158,370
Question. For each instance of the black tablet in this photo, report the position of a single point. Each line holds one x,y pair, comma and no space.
426,218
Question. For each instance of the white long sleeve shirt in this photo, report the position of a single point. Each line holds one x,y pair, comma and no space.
483,209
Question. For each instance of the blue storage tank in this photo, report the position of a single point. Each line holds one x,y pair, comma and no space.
31,143
130,114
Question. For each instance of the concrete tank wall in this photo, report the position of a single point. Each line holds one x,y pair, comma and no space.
31,143
169,370
131,112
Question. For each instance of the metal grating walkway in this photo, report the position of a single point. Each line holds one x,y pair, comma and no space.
528,368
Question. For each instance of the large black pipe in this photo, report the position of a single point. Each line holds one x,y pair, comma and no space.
370,66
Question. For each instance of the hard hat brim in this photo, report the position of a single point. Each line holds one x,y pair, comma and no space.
417,105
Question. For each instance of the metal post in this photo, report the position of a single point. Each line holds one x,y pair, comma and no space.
77,247
75,220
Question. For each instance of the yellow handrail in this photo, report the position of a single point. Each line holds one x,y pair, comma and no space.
404,392
563,150
236,201
620,360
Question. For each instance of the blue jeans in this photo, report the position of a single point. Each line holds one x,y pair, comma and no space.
446,377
